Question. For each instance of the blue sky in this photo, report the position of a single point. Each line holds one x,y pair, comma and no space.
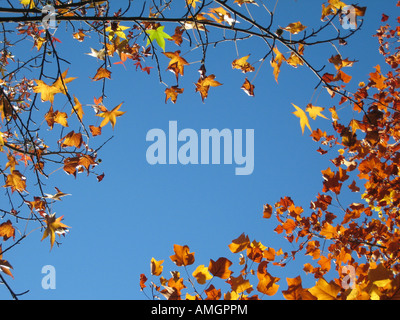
140,211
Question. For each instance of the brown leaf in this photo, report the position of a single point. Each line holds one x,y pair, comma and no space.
182,256
7,230
220,268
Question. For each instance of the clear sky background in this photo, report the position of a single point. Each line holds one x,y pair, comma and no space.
140,211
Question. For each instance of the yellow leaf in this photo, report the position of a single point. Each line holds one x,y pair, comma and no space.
116,30
1,141
59,86
242,64
111,116
77,108
324,290
53,226
239,285
16,181
156,267
201,274
29,3
295,27
315,111
303,118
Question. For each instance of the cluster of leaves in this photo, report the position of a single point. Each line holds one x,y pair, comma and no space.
34,145
356,246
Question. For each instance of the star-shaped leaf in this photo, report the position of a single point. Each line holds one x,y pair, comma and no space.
111,116
54,225
303,118
159,35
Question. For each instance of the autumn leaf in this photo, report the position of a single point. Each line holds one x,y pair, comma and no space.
324,290
220,268
53,117
176,63
276,62
111,116
295,27
201,274
143,280
242,64
79,163
240,2
98,54
239,244
339,63
16,181
1,142
57,196
30,3
221,15
315,111
79,35
102,73
377,78
267,212
159,35
239,284
266,282
116,30
204,84
295,290
156,267
77,109
172,93
72,139
192,3
182,256
213,293
54,225
95,131
303,118
5,266
47,92
248,87
7,231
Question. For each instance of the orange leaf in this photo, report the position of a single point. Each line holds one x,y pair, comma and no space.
96,131
53,226
377,78
7,230
156,267
266,284
72,139
177,63
16,181
239,244
143,280
212,293
182,256
172,93
248,87
295,290
204,84
220,268
102,74
242,64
